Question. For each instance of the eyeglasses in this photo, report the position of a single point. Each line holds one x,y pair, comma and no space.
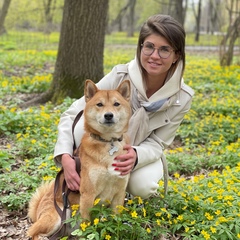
163,52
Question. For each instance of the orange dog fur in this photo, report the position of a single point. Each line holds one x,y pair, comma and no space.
106,115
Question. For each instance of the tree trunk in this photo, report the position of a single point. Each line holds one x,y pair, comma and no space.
198,20
118,20
3,15
226,52
177,11
131,14
49,8
80,51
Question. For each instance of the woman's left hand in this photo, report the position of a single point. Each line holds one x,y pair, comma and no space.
125,163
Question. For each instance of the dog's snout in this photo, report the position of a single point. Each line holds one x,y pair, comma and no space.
108,116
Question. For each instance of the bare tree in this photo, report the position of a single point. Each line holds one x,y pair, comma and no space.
197,16
118,19
3,14
80,51
49,8
213,15
233,33
131,15
176,8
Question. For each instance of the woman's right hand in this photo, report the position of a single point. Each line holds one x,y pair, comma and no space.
71,176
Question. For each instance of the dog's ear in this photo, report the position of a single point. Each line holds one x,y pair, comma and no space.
125,89
90,89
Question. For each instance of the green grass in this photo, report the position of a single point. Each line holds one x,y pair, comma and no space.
203,199
39,41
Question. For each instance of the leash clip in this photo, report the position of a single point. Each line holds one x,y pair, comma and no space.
65,200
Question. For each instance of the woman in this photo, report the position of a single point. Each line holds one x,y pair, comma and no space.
159,101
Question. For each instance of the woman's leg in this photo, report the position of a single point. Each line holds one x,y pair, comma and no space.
144,181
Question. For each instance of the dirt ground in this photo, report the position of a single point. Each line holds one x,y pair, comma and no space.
13,225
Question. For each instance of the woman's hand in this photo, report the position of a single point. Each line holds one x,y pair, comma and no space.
70,174
125,162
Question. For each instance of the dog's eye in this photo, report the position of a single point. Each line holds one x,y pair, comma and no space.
99,104
116,104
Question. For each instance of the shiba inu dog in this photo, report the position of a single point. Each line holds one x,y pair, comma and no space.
106,117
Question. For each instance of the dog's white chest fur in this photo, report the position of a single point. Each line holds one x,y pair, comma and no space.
108,182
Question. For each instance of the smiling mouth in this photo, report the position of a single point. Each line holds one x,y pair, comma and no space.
154,64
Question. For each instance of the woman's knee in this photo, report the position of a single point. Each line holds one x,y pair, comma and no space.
144,181
144,190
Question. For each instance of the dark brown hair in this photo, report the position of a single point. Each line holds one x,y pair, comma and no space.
171,30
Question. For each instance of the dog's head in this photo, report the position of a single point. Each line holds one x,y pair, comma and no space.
107,112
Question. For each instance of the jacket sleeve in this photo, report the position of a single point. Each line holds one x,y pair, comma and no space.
64,142
151,149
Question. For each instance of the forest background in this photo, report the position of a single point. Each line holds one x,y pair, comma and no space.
203,199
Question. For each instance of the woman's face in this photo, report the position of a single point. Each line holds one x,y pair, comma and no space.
157,66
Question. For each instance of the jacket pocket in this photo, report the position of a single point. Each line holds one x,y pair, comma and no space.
158,120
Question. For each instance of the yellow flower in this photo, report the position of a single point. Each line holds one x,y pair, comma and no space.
74,213
230,198
134,214
222,219
210,185
213,229
96,221
144,212
163,209
205,234
13,109
218,212
158,214
46,178
196,198
120,208
42,165
184,208
107,237
210,200
161,183
140,201
180,217
176,175
75,207
148,230
19,135
84,226
208,216
96,201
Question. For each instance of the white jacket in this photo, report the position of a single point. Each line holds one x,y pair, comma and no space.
150,131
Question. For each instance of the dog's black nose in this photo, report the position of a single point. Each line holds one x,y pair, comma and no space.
108,116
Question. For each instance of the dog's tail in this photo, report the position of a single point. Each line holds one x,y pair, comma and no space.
46,225
42,212
36,200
